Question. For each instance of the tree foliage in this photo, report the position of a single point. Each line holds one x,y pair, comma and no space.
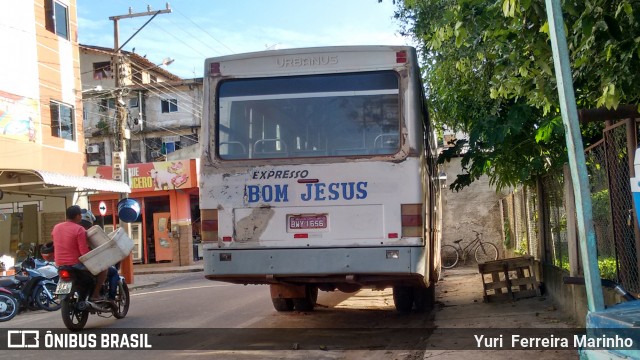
488,67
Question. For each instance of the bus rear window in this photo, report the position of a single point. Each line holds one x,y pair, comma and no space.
308,116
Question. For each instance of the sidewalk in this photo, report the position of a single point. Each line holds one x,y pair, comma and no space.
149,275
459,298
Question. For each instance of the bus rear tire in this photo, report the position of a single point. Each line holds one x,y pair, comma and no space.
424,298
309,301
403,298
282,304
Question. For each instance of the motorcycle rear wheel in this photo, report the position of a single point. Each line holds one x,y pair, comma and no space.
122,301
8,307
73,318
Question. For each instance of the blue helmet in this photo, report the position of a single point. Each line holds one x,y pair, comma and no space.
87,218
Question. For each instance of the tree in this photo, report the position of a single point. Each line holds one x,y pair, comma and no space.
488,66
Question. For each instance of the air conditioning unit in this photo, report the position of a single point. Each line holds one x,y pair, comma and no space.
94,163
93,149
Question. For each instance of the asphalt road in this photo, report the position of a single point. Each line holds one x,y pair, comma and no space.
239,322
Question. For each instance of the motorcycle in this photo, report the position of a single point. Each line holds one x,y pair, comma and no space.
74,288
44,267
31,289
8,304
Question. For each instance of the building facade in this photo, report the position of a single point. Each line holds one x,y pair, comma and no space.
42,157
163,114
163,111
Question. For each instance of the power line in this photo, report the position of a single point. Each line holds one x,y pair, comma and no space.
196,108
180,40
195,37
203,30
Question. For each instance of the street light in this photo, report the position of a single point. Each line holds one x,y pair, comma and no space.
167,61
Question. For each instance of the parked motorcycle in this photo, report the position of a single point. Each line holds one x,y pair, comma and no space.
31,289
74,288
8,304
43,266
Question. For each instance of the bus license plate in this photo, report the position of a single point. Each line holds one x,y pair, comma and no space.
308,222
63,287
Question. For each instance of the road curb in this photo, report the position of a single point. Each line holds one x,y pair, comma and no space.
159,271
134,287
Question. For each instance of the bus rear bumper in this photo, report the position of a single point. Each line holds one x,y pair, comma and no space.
371,266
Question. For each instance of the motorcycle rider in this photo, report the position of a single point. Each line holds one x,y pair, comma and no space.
70,242
112,272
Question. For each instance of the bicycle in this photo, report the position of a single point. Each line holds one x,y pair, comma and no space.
484,251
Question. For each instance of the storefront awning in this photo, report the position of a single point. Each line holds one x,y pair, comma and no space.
39,181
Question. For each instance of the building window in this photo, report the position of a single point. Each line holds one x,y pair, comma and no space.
170,144
153,148
62,121
57,18
169,105
107,104
102,70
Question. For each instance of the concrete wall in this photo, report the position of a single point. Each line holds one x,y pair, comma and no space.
572,299
474,208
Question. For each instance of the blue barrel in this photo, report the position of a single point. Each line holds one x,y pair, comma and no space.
128,210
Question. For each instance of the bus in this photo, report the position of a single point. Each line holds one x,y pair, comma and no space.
318,172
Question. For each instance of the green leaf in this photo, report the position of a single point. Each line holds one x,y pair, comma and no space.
545,28
509,8
587,26
545,67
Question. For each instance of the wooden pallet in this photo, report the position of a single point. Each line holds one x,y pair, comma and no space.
509,279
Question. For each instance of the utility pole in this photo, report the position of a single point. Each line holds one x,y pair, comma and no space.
119,158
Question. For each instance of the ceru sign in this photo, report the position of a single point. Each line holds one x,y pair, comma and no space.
166,175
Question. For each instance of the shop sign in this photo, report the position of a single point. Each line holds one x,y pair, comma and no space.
167,175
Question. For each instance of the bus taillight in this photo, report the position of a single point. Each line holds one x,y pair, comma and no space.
215,69
411,220
401,57
209,225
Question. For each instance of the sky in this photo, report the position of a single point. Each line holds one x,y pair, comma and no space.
200,29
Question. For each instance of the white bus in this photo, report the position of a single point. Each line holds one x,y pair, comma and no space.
318,173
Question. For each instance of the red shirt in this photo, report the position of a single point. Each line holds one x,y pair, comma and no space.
69,243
